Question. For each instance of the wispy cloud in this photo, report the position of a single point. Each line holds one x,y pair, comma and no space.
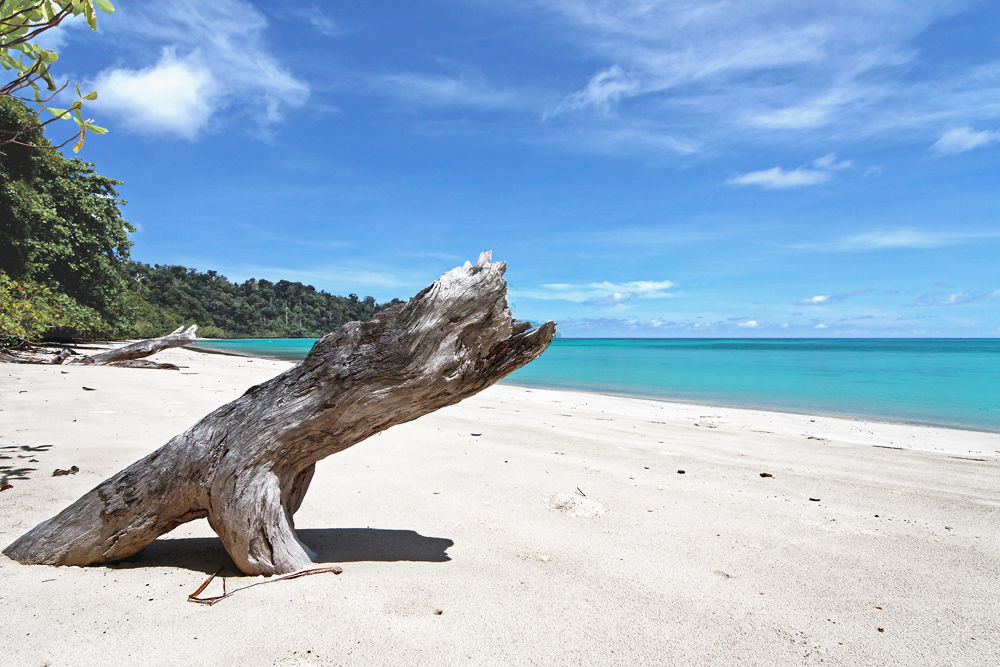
603,92
831,298
722,69
700,75
213,59
318,19
945,299
467,88
601,294
903,237
777,178
830,163
962,139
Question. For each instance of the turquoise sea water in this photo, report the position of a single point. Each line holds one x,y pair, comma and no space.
941,382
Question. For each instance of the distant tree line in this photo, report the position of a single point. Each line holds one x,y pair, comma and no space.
172,296
65,268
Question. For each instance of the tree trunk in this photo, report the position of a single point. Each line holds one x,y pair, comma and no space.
247,466
144,348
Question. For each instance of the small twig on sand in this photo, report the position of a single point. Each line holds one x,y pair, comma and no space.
581,492
212,600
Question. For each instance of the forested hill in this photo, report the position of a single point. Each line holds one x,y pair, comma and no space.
173,296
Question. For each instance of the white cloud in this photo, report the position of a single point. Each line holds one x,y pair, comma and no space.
829,298
961,139
820,326
777,178
213,60
954,299
172,96
751,324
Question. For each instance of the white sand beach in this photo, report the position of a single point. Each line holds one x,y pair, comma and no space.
561,534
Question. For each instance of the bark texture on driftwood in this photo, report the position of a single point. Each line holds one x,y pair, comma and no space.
144,348
247,466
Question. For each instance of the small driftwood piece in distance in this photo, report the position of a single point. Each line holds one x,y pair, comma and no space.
127,354
247,466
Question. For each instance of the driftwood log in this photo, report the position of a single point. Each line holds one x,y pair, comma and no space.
128,356
133,355
247,466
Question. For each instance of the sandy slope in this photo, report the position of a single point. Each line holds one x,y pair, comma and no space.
562,535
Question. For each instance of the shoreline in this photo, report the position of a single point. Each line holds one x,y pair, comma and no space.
644,397
561,534
726,406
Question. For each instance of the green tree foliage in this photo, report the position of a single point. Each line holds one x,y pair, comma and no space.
61,227
173,296
20,22
28,311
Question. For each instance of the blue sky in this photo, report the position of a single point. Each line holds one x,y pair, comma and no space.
646,168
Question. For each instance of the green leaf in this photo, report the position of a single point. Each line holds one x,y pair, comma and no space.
91,96
97,130
58,113
105,6
90,15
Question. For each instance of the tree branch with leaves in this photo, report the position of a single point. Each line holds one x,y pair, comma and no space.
21,21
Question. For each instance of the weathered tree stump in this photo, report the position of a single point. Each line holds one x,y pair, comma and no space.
247,466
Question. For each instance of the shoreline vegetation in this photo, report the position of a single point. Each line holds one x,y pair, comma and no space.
866,544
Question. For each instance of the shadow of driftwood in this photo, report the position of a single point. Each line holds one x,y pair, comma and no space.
332,545
350,545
